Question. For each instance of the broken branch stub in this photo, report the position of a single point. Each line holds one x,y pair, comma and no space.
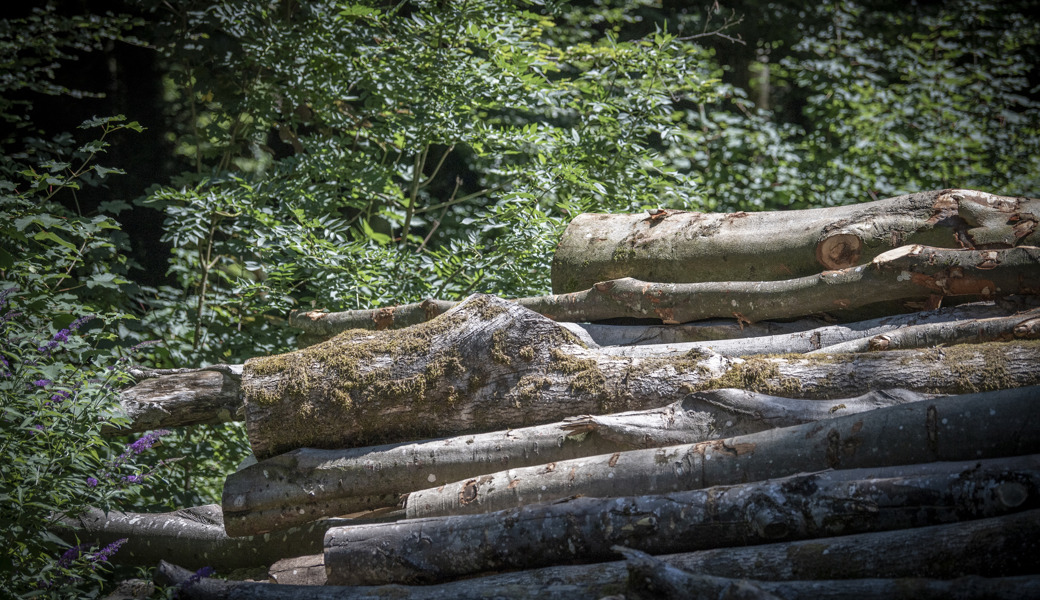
689,247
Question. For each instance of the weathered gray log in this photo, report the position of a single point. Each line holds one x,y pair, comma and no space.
193,537
1024,326
995,547
994,424
687,247
908,272
177,397
490,364
299,570
306,484
650,578
584,529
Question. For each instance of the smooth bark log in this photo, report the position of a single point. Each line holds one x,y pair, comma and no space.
994,424
306,484
489,364
650,578
908,272
193,537
910,275
813,339
995,547
1024,326
687,247
178,397
584,529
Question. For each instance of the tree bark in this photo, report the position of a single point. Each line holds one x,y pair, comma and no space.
908,272
306,484
178,397
650,578
489,364
584,529
688,247
1024,326
193,537
830,336
995,547
995,424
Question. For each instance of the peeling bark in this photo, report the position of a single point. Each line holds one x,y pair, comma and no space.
995,424
688,247
584,529
306,484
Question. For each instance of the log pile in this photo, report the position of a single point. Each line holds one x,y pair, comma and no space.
836,402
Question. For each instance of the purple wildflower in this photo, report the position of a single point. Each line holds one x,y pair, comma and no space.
70,555
42,382
59,397
80,321
106,552
141,445
133,479
7,368
92,482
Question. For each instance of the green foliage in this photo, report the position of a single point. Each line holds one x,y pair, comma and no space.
59,368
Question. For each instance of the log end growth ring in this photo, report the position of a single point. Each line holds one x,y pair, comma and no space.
839,251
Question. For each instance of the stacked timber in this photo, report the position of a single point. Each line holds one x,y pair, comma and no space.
839,402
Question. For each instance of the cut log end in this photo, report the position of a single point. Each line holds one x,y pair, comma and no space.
839,251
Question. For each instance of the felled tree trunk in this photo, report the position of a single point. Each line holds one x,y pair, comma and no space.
306,484
912,274
585,529
1004,423
652,579
908,272
489,364
194,537
688,247
994,547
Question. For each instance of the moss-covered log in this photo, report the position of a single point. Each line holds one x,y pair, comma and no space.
688,247
490,364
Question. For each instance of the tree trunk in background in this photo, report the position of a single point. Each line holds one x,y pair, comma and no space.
490,364
306,484
995,424
688,247
585,529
